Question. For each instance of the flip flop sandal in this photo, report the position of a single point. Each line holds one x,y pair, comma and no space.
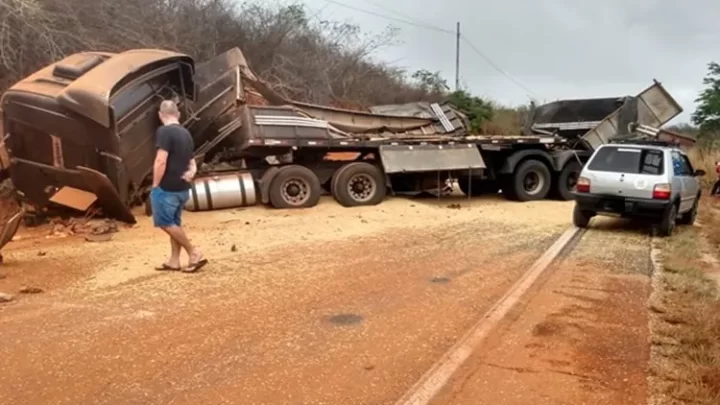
165,267
195,266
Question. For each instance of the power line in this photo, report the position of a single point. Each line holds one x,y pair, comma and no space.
420,24
496,67
403,21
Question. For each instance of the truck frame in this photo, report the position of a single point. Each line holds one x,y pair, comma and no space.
86,124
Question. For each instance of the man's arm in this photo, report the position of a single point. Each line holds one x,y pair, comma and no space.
160,163
159,166
191,171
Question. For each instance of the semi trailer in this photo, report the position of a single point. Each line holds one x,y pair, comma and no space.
80,133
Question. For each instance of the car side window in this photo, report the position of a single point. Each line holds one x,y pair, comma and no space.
677,164
680,165
688,166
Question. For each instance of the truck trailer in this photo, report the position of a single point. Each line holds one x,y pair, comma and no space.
80,133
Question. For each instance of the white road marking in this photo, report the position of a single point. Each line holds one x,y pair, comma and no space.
435,379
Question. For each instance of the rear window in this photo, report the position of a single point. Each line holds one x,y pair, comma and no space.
627,160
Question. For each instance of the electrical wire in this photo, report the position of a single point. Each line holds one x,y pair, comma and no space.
420,24
400,20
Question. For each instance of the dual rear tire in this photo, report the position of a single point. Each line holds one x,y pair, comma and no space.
354,184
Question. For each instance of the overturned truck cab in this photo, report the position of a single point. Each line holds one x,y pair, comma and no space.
81,130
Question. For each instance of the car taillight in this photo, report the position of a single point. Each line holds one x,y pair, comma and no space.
582,185
661,192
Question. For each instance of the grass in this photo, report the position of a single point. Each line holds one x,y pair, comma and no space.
686,334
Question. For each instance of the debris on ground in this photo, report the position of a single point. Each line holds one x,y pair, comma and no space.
103,237
454,206
91,229
5,297
31,290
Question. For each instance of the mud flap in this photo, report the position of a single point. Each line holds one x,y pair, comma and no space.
108,197
9,228
425,158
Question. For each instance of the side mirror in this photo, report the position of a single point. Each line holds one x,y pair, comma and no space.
699,173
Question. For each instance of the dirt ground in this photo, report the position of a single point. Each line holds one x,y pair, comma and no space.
579,338
326,306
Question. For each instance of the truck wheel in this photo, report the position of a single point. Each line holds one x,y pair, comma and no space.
357,184
667,225
689,217
295,187
478,187
530,182
565,182
581,218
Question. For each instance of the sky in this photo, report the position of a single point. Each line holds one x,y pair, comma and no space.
550,49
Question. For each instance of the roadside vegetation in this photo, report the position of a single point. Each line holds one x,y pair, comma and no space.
685,305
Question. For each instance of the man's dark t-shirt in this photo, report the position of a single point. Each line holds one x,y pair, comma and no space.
179,145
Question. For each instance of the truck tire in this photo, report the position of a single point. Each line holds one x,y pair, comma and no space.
358,184
667,224
530,182
565,182
478,187
581,218
295,187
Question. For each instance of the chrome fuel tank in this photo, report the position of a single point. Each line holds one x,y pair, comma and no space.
215,192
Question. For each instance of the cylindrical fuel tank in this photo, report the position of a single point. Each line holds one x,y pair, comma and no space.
218,191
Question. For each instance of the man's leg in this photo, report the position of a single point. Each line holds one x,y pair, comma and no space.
175,250
163,208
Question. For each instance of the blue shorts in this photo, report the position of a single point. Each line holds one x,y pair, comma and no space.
167,206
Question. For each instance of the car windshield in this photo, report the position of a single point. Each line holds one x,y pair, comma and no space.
628,160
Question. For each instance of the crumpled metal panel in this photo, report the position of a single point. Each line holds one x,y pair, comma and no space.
654,106
10,227
424,158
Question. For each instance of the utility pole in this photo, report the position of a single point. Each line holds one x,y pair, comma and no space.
457,58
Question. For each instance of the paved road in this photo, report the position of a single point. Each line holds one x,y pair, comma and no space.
580,338
352,321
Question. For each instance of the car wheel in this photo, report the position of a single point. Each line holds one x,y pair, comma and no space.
581,218
667,225
689,217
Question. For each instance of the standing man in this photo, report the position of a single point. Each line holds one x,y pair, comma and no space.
173,171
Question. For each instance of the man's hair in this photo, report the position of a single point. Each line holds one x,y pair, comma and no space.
168,107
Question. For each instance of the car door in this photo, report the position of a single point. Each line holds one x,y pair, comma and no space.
680,171
691,186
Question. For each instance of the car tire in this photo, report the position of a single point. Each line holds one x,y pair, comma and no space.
667,225
295,187
581,218
518,187
565,182
370,180
689,217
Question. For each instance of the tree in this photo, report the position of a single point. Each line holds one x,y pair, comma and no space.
707,115
430,82
477,110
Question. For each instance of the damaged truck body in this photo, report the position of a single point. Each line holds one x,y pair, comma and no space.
80,133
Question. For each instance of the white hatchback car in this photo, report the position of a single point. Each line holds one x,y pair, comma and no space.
641,179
